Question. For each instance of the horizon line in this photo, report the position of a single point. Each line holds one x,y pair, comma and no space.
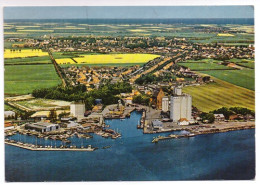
124,18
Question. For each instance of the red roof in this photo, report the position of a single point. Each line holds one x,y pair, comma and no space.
183,119
8,124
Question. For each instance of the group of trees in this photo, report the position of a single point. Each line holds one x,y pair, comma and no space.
141,99
150,78
226,112
106,92
207,116
146,79
233,110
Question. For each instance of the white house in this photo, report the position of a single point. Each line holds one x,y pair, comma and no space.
219,117
9,114
128,100
183,121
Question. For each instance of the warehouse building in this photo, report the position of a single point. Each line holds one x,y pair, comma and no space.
42,127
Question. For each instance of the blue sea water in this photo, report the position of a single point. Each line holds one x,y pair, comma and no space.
132,157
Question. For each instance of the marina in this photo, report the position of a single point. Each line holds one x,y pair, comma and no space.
128,152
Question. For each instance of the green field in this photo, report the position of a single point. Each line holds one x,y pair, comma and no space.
243,78
23,79
250,65
203,66
212,96
7,107
236,60
58,55
27,60
203,61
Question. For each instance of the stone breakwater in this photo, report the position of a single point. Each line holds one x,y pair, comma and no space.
207,129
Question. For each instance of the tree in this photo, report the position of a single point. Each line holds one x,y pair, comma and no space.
141,99
207,116
25,115
225,111
52,115
63,114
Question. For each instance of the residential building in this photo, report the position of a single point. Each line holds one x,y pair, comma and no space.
9,114
183,121
128,100
219,117
8,126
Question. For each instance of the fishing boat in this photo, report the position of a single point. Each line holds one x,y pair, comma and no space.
90,148
104,147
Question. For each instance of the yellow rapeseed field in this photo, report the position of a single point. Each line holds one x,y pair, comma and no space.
69,28
24,53
111,58
65,61
138,30
225,35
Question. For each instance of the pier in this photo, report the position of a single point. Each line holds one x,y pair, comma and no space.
32,147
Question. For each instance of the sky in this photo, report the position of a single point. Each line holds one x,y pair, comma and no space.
128,12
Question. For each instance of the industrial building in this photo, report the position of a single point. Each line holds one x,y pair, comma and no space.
77,109
165,104
42,126
157,124
181,107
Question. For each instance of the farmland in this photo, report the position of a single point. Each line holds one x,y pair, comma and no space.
212,96
250,65
193,33
65,61
225,35
27,60
244,62
110,59
103,65
203,61
24,53
243,78
203,66
23,79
